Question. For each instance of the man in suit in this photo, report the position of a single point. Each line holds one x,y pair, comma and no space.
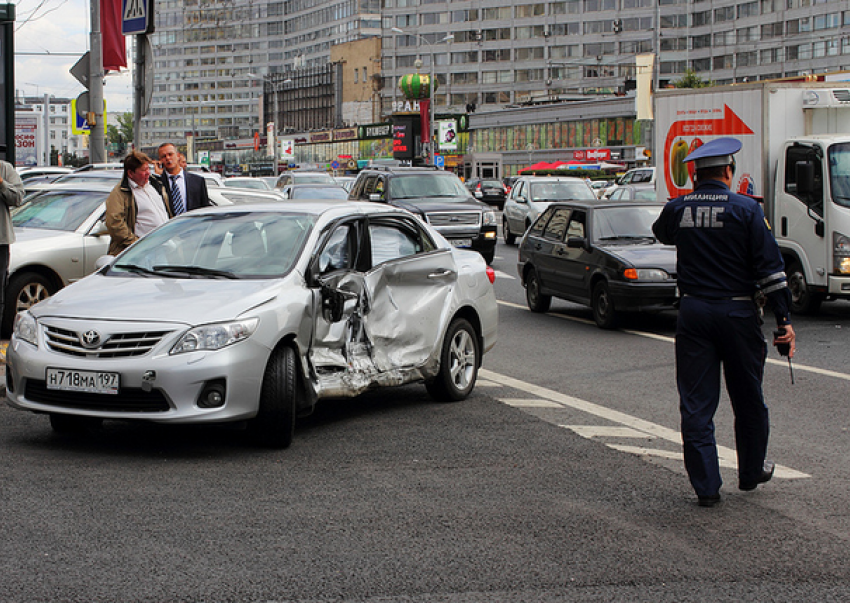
186,191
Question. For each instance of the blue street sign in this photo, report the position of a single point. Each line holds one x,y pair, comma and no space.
335,164
439,161
136,17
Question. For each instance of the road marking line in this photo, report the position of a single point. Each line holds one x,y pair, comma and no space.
783,363
530,403
606,431
500,275
727,456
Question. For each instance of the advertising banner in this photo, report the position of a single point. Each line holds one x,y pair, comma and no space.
28,141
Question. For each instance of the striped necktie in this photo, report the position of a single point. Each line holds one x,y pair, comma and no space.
177,200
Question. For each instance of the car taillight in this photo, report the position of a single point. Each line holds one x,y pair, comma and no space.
491,274
478,187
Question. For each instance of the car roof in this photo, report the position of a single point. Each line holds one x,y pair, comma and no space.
552,178
331,207
604,203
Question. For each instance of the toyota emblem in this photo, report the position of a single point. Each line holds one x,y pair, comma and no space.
90,339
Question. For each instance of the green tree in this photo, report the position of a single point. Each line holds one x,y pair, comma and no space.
123,132
691,80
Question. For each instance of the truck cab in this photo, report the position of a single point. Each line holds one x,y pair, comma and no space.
812,215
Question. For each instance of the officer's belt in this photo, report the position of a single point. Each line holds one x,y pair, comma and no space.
736,298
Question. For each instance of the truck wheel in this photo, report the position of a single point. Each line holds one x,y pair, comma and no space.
604,312
803,299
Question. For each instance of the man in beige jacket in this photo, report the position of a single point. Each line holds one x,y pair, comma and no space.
136,205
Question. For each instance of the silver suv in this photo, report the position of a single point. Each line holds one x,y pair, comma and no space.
531,195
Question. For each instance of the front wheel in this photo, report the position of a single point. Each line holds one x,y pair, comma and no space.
274,425
460,358
803,299
604,312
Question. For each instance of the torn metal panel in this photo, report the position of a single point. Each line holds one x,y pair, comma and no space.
384,327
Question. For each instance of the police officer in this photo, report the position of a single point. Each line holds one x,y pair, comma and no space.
726,255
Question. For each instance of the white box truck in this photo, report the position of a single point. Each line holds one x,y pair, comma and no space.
795,156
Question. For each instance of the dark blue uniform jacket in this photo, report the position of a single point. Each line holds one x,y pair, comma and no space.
724,247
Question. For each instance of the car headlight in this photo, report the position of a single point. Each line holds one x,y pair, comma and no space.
489,218
840,253
215,336
646,274
25,328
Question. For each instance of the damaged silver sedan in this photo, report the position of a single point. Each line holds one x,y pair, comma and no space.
254,313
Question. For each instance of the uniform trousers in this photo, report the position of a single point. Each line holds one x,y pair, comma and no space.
711,333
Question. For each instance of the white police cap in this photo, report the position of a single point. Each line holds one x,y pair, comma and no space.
715,153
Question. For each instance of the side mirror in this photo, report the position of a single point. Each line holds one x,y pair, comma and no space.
376,197
577,243
520,199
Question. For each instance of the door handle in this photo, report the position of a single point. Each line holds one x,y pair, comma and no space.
442,274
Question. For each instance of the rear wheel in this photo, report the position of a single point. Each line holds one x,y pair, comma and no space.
274,425
459,362
803,299
604,312
537,302
510,238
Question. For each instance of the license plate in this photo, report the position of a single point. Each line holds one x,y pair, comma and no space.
94,382
461,242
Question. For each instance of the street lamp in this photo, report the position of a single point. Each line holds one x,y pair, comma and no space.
431,146
276,87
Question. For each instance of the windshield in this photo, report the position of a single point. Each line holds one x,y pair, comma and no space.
58,210
561,191
839,173
417,186
229,245
612,224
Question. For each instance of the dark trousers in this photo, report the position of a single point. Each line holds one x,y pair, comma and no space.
710,333
4,275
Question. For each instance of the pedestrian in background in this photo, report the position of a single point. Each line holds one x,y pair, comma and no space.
11,195
136,205
186,191
726,257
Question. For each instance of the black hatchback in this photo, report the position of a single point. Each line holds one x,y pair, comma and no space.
602,255
491,191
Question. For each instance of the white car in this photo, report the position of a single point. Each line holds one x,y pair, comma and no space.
642,175
531,195
254,313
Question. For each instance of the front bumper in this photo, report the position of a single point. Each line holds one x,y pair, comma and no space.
638,297
173,395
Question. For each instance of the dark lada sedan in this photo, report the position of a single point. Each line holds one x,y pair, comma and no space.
603,255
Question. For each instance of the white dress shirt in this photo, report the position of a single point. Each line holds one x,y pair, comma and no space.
150,211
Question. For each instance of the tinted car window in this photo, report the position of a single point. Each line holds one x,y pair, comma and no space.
540,223
557,226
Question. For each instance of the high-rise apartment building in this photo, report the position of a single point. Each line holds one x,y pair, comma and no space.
212,56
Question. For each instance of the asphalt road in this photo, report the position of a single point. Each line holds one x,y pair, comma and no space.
558,480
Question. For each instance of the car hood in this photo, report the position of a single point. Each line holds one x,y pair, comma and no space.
32,240
653,255
179,300
425,204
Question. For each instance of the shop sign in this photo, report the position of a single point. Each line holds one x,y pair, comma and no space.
345,134
320,137
374,131
592,154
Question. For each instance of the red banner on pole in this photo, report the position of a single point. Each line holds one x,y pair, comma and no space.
113,41
425,119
